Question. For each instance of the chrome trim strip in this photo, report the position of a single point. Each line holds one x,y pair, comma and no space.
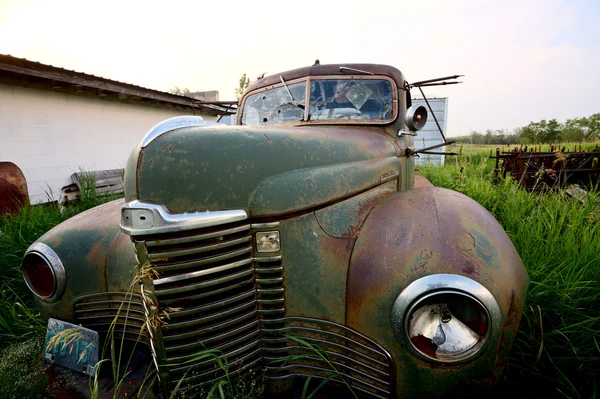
200,273
204,261
269,280
270,270
223,347
165,222
212,317
289,328
260,259
445,283
170,124
215,328
203,284
56,266
114,311
241,361
198,250
199,237
271,301
264,225
323,343
212,360
87,306
202,344
213,306
314,368
175,301
331,354
112,317
270,290
131,295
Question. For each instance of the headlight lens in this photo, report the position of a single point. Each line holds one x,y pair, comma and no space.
39,275
44,272
447,326
446,318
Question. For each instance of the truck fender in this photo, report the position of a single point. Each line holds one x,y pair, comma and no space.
432,231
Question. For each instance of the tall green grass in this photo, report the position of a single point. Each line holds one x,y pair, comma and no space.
18,314
558,237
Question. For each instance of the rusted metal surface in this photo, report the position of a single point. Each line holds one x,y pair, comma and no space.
13,188
266,172
421,181
416,233
557,168
86,239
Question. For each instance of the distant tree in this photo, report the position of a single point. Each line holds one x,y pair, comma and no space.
592,125
243,85
574,130
182,92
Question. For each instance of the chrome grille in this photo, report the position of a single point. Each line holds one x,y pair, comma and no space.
214,292
99,311
204,283
298,346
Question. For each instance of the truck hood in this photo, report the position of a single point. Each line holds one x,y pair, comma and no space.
262,170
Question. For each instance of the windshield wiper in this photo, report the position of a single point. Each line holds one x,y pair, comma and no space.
286,87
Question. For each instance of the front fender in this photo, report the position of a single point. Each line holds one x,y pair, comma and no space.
428,231
97,257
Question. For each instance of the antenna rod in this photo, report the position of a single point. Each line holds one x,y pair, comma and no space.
435,80
439,84
432,114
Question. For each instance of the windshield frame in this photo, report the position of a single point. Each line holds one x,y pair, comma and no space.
308,80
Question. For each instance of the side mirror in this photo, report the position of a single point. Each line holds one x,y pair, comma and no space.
416,117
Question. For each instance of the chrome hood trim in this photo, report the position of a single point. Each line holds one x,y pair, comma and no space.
177,122
144,218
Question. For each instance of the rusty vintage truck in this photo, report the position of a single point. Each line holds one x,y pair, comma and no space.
300,224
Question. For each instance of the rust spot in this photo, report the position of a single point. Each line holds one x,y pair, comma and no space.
473,238
468,268
267,137
423,259
168,147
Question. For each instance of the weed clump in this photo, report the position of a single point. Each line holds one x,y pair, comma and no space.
22,370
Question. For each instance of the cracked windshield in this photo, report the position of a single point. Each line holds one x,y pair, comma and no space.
330,99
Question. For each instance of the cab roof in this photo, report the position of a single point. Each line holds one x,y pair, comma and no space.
329,69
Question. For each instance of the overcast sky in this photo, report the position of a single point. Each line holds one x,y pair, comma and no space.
523,60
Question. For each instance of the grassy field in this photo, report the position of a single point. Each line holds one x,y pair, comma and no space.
558,237
557,353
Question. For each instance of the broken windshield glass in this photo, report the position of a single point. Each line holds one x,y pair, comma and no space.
345,100
281,104
368,99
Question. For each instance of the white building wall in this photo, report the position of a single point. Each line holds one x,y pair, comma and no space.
51,135
430,134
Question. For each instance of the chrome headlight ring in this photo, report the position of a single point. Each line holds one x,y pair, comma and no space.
446,318
41,263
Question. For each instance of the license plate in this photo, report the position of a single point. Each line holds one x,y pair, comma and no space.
72,346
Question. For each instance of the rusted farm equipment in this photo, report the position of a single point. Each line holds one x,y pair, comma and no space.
535,169
13,188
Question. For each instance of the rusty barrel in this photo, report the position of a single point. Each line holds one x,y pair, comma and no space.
13,188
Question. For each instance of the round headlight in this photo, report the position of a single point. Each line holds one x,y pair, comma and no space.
446,318
43,272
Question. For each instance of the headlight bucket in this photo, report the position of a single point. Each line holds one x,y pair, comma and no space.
446,318
44,272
